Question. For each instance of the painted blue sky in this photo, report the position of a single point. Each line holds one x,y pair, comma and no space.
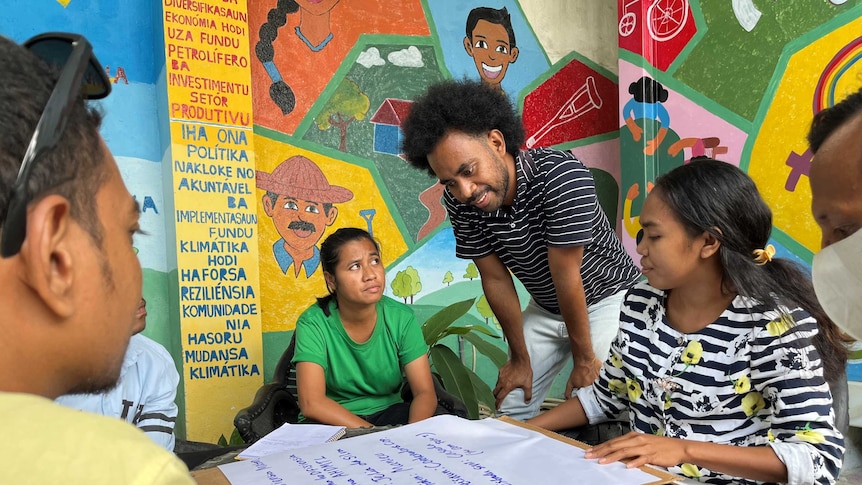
131,121
432,261
116,41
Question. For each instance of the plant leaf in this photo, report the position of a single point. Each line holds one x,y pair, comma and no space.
467,329
485,330
235,438
489,350
433,328
484,394
455,377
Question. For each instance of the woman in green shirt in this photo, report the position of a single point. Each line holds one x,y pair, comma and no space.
353,345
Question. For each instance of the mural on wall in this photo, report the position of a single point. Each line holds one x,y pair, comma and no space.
577,101
661,129
490,41
603,160
348,104
514,70
215,218
647,105
824,69
299,45
437,278
301,203
750,49
303,196
657,30
384,76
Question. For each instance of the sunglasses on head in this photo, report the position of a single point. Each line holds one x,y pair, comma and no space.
81,76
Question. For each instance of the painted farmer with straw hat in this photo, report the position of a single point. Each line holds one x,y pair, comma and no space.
300,201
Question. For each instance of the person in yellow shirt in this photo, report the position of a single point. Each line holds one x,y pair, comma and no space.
71,278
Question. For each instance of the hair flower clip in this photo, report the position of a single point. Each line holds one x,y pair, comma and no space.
765,255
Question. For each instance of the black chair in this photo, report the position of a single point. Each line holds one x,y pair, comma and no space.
277,403
274,403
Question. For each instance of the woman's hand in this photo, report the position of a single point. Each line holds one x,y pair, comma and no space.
641,449
752,462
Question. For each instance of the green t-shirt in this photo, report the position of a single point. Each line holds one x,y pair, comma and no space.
364,378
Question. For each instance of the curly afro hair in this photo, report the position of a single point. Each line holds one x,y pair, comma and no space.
466,106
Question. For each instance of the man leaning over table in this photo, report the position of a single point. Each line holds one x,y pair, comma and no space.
532,213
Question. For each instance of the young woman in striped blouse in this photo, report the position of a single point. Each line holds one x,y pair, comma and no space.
720,358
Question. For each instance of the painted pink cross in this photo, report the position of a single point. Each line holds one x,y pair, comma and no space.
800,165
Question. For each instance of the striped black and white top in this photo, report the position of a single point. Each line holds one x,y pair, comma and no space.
555,205
751,378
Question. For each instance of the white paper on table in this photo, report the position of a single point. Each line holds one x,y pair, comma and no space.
291,436
440,450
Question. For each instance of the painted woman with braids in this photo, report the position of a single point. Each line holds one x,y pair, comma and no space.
314,31
301,45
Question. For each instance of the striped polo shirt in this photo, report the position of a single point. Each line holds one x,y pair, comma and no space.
555,206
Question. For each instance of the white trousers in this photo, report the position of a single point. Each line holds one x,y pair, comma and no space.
547,342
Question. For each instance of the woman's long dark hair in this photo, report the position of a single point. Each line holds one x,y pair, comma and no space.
330,252
717,197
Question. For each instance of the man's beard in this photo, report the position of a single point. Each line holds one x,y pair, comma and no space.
97,385
500,189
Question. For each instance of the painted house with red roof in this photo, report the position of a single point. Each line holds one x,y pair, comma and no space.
387,125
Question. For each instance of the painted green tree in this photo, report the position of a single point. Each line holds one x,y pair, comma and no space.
406,284
484,309
401,285
472,272
347,105
415,282
448,278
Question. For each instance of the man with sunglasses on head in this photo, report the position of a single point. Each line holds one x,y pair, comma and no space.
71,279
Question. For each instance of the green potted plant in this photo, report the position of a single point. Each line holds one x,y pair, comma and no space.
458,378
